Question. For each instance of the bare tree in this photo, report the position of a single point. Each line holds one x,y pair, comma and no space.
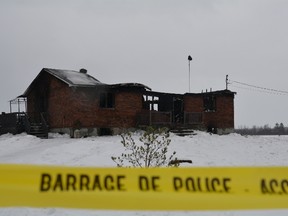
151,151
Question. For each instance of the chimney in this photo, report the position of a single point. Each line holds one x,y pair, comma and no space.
83,70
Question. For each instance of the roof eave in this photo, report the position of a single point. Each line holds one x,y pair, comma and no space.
139,85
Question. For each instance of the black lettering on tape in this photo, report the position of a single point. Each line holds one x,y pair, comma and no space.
190,184
71,182
120,184
274,186
215,181
284,186
96,183
45,182
225,184
201,184
84,182
264,188
154,182
145,183
108,182
177,183
58,183
207,184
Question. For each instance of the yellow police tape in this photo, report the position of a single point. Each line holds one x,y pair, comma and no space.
144,189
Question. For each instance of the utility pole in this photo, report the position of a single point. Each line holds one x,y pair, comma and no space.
189,60
226,82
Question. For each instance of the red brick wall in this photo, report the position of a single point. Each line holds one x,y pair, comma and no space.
60,108
70,107
223,117
193,103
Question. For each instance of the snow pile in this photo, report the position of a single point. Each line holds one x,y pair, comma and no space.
203,149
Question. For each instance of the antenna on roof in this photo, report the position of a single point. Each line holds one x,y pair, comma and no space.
83,70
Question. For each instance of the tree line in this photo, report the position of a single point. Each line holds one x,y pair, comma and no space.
278,129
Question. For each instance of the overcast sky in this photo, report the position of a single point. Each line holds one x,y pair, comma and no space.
148,42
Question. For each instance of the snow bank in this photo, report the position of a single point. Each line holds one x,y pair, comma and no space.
203,149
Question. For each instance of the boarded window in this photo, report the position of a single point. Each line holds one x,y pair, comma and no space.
107,100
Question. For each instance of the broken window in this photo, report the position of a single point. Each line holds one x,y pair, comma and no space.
209,103
150,102
107,100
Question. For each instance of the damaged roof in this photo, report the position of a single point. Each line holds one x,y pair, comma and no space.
139,85
74,78
78,79
218,92
82,79
70,77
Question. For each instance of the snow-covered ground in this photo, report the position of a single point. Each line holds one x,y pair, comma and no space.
203,149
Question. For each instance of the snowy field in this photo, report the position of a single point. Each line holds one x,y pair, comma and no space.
203,149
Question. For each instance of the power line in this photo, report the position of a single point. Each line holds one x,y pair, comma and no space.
257,88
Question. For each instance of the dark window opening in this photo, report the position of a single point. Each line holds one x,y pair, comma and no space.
104,132
107,100
209,103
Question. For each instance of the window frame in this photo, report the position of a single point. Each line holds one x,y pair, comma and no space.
209,103
107,100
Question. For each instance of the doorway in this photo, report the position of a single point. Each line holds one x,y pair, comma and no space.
178,115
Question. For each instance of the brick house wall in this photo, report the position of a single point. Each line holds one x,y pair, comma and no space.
77,107
223,115
71,107
193,103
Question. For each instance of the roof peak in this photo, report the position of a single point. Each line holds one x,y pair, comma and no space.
74,78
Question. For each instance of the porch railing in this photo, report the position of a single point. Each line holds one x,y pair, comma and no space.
155,118
11,122
166,118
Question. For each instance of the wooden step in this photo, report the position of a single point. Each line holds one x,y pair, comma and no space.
36,129
183,131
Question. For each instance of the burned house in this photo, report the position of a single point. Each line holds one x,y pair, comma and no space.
76,103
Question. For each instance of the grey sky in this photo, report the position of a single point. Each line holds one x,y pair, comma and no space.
148,42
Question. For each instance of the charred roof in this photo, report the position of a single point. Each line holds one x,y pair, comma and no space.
74,78
219,92
80,79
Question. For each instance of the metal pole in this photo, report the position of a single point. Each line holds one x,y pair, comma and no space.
189,77
18,102
189,60
25,100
